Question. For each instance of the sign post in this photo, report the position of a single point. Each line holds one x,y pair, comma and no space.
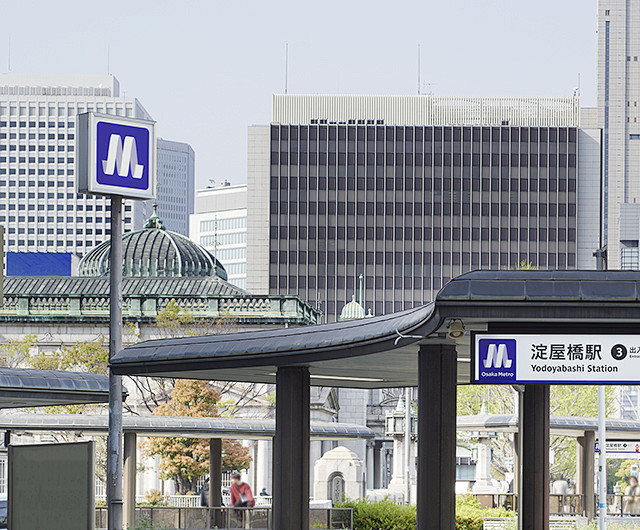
116,158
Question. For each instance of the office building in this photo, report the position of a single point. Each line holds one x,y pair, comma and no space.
411,191
39,205
220,225
618,82
176,184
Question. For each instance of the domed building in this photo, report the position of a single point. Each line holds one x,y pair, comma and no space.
154,252
159,267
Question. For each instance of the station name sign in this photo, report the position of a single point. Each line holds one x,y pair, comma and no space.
556,359
116,156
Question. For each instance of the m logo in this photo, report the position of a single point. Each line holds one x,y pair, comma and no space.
496,360
122,156
497,357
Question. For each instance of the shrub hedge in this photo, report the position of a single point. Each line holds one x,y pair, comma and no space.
387,515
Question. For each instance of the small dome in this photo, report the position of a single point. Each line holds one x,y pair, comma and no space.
152,252
352,311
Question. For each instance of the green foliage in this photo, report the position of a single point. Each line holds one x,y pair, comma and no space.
387,515
469,513
383,514
15,352
90,357
566,400
145,523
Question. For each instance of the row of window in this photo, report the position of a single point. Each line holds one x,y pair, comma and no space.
425,133
426,160
237,238
230,254
232,223
234,269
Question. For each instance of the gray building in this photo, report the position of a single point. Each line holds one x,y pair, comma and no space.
411,204
176,184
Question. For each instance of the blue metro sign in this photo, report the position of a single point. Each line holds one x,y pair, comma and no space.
116,156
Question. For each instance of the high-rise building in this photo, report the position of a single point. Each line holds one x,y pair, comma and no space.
411,191
39,205
220,225
618,81
176,184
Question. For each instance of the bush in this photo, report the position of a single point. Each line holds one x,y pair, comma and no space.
387,515
469,513
379,515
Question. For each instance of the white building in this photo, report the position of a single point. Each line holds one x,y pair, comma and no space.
39,206
619,117
220,225
176,184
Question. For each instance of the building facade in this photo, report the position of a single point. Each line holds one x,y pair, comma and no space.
176,183
618,82
391,187
220,225
39,205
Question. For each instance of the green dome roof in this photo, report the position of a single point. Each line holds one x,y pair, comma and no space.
154,252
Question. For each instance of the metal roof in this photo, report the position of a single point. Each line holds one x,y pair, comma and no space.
99,286
38,388
172,426
382,351
154,252
559,425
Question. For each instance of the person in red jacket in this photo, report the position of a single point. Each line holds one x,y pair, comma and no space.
241,495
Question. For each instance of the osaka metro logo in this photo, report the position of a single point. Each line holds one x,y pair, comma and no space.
122,155
496,360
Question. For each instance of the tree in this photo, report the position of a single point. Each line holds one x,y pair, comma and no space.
187,459
574,400
16,352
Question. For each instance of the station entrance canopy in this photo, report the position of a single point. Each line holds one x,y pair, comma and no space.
430,347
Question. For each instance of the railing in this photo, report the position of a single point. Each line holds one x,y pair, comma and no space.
558,504
257,518
95,306
191,501
627,505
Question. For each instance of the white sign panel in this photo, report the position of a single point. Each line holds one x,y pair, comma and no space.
556,359
116,156
621,447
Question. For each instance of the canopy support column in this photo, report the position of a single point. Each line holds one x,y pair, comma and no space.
215,479
129,473
437,380
291,451
534,490
585,472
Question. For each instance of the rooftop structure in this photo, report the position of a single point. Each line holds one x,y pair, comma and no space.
426,110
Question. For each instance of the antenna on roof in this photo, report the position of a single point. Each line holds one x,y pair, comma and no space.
286,68
419,69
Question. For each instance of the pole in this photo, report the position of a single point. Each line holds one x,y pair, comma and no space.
114,440
602,459
601,257
407,446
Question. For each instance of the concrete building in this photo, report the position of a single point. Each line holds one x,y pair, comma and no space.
411,191
618,82
220,225
176,184
39,206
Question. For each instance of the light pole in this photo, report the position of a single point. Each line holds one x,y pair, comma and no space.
601,256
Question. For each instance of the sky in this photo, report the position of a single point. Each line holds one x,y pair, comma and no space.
206,70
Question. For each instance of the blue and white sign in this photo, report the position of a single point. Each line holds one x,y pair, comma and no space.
116,156
556,359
